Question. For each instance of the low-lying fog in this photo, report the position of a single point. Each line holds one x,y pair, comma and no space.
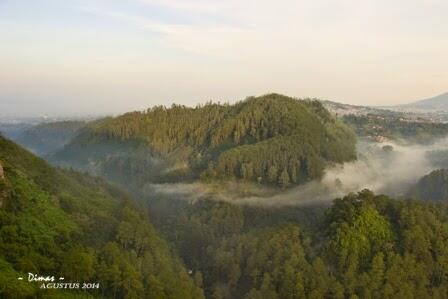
387,168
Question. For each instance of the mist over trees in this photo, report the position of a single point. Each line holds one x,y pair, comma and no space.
273,140
143,244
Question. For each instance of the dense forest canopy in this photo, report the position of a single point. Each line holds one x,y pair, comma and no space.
272,139
63,223
165,245
363,246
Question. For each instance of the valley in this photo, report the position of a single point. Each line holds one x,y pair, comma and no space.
193,208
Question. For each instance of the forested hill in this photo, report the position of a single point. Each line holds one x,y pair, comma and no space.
46,138
272,139
66,224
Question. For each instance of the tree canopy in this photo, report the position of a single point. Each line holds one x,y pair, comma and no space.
65,223
363,246
272,139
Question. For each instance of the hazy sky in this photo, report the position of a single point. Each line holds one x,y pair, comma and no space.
109,56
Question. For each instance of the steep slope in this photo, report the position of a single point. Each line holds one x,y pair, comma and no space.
439,102
46,138
66,224
272,139
432,187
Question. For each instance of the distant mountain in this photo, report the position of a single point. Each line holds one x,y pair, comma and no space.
439,102
272,139
13,130
45,138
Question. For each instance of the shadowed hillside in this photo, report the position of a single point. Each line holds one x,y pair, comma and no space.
47,138
433,187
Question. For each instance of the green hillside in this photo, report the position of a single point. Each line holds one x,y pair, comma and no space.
273,140
63,223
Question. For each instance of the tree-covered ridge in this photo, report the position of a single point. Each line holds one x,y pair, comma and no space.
272,139
63,223
433,187
46,138
365,246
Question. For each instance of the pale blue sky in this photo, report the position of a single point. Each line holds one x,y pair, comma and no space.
110,56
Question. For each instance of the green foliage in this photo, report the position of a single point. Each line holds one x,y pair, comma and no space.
364,246
65,223
355,241
271,139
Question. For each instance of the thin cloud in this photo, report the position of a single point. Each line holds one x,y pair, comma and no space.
365,52
200,39
187,5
